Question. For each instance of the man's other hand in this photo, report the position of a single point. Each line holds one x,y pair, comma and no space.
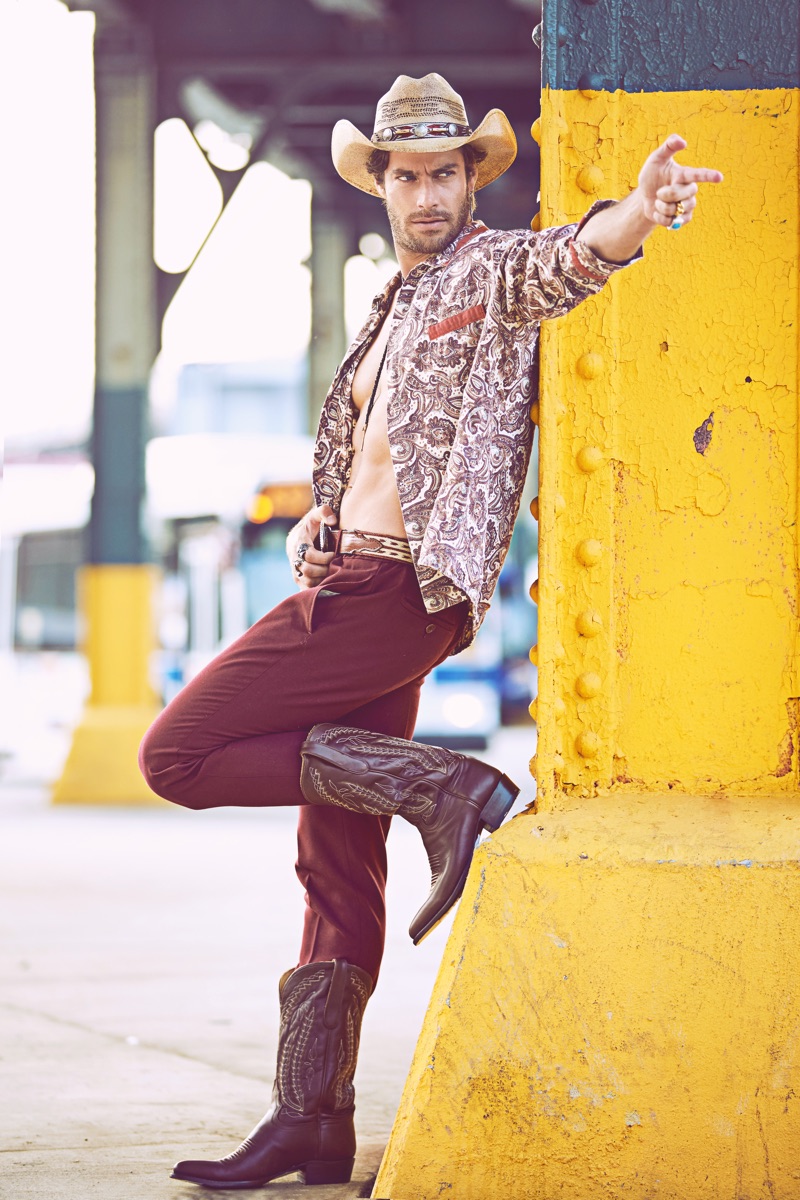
310,566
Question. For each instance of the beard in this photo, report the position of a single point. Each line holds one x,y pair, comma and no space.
410,237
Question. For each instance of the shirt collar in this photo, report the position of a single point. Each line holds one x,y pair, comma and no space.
381,302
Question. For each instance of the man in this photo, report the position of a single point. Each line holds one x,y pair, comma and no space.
420,461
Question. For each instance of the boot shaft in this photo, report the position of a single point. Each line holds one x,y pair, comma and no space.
450,799
373,773
322,1006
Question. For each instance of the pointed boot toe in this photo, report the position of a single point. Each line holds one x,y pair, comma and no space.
450,839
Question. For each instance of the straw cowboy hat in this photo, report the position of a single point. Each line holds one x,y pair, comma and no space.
423,116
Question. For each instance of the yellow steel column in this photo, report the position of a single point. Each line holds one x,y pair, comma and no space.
676,456
617,1011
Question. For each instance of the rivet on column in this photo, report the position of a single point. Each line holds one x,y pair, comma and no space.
587,744
589,623
536,222
534,412
556,127
590,365
533,591
533,709
533,654
589,459
590,84
588,685
589,552
535,508
590,179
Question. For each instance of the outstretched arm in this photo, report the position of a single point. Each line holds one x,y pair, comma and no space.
616,233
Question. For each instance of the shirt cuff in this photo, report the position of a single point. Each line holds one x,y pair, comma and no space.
589,263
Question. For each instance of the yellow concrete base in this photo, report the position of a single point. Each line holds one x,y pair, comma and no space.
117,602
617,1012
102,765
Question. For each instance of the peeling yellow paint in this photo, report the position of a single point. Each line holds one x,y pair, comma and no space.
678,453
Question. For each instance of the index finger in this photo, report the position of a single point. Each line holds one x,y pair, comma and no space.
696,175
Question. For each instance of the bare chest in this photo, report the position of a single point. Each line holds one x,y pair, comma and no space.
367,370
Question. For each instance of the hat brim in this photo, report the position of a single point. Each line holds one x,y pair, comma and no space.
350,150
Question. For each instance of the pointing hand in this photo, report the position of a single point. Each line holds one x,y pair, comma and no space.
668,190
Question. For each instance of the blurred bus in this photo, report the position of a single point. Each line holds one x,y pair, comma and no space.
199,487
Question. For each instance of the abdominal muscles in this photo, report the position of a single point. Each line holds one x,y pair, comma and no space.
370,502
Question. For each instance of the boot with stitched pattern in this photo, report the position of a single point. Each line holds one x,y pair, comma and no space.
310,1125
449,797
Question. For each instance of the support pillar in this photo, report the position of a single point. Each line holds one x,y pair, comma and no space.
117,586
617,1009
329,252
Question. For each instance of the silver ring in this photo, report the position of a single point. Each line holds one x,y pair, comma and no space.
302,551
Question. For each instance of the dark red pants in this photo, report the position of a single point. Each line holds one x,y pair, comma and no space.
232,736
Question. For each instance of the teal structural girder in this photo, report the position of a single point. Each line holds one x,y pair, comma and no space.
670,45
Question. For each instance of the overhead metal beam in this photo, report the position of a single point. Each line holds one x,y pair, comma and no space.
357,10
313,75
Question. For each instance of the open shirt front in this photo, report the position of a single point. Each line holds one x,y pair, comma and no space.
461,375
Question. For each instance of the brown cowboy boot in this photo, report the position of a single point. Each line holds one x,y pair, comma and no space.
449,797
310,1125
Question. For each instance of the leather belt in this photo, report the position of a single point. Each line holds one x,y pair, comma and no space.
375,545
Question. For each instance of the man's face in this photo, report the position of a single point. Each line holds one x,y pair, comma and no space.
427,199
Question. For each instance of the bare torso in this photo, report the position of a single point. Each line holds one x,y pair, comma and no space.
370,501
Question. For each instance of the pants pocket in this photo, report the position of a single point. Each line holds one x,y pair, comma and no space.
328,599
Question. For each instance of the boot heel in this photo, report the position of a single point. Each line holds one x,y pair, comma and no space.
339,1171
496,808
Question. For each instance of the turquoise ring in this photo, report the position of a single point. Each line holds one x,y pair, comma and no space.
679,211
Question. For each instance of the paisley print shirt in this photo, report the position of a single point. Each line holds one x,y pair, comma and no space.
461,372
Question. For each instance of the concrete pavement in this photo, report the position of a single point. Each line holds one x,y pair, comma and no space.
141,950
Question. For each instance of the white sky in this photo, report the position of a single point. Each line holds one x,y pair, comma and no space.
47,218
247,298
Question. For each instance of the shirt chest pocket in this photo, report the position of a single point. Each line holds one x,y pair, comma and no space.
458,321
